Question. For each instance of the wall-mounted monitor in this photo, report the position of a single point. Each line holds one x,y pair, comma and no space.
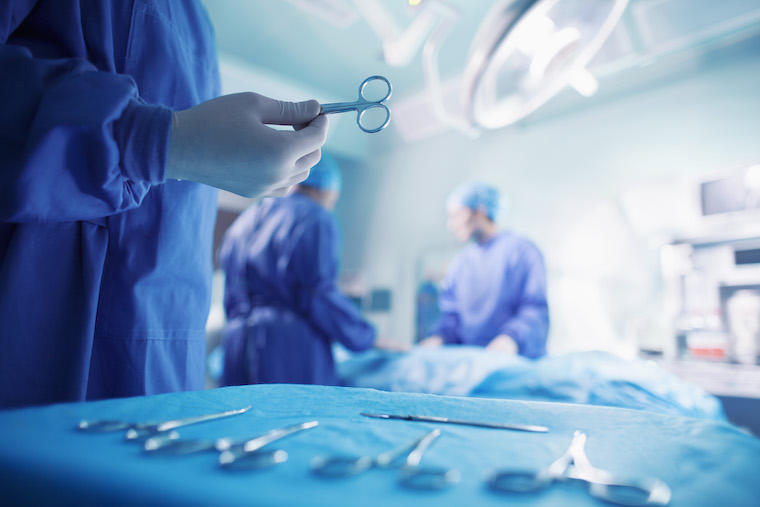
739,192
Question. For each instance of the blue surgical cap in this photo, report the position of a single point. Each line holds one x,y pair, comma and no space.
325,175
476,195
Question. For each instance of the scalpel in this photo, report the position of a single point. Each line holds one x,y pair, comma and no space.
429,418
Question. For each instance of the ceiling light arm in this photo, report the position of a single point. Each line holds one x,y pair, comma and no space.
449,18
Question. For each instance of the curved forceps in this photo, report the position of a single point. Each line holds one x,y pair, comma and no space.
412,474
246,454
363,104
574,464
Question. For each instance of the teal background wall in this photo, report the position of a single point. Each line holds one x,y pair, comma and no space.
596,185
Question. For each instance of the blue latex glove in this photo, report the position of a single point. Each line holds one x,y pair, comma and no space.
226,143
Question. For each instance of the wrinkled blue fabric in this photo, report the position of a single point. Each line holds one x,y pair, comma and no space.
44,461
593,378
599,378
284,310
105,267
497,287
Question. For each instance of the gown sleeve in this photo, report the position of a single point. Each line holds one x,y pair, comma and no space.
330,311
448,323
76,143
232,262
529,325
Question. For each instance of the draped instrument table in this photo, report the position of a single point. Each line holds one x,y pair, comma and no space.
44,460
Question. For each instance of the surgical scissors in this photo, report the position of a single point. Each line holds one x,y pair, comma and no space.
364,104
246,455
412,474
166,444
143,430
574,464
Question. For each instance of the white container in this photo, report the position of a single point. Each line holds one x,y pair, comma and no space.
743,312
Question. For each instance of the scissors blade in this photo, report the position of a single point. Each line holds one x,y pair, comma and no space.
238,452
387,458
421,446
145,431
258,443
480,424
254,444
168,425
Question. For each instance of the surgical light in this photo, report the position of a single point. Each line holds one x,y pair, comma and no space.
526,51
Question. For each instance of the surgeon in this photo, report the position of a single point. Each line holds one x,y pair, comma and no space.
112,135
494,293
284,310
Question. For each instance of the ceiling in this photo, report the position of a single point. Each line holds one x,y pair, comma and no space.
325,48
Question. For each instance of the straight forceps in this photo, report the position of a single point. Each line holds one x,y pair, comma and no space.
448,420
379,115
144,430
574,464
412,474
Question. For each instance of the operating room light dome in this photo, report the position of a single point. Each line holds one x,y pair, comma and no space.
526,51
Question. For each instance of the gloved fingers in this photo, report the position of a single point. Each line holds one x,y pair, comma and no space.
284,187
279,112
308,161
312,136
299,126
280,192
299,177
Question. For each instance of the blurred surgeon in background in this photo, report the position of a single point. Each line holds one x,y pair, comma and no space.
494,293
284,309
112,135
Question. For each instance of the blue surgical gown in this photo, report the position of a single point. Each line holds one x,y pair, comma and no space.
105,267
283,306
496,287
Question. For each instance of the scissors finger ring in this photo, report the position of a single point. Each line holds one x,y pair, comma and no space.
372,114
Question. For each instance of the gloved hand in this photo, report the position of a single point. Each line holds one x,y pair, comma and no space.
504,344
431,341
391,344
225,142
